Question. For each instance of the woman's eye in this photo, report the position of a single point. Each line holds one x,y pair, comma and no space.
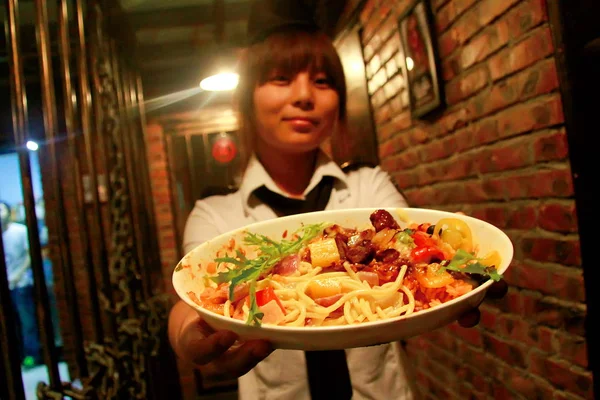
322,82
279,79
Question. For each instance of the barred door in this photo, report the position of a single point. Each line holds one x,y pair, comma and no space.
89,128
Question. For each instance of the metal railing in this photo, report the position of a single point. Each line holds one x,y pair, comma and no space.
113,310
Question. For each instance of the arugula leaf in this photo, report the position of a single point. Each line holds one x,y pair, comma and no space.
271,252
463,262
255,316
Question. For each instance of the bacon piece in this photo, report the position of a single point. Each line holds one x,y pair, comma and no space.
328,301
214,296
370,277
272,313
239,291
287,266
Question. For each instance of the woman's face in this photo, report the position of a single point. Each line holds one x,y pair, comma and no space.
294,114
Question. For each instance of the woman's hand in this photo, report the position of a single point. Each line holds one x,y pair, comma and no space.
215,353
471,318
496,291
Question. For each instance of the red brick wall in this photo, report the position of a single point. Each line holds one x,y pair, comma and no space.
497,152
163,207
160,182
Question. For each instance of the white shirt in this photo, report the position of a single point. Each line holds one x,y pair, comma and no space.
376,372
16,253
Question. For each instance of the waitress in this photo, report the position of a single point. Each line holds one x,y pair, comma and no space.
291,98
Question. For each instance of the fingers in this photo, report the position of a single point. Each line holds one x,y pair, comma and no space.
202,345
239,361
470,318
497,290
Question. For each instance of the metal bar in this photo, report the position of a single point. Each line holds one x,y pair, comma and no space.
20,131
86,129
12,388
49,150
123,271
137,148
64,47
129,160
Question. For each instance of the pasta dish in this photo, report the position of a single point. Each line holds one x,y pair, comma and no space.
327,274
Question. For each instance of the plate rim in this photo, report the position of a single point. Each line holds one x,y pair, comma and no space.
337,328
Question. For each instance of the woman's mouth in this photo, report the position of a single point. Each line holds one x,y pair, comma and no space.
301,124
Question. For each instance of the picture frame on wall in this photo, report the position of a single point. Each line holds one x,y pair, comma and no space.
421,58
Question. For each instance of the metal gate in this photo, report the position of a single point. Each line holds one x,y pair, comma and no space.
103,243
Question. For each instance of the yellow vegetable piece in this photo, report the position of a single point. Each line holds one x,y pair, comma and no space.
492,259
324,252
320,288
383,237
431,277
456,233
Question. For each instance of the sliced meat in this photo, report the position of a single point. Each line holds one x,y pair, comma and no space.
342,247
328,301
360,254
382,219
287,266
370,277
387,255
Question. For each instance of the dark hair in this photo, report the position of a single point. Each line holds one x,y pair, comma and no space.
292,51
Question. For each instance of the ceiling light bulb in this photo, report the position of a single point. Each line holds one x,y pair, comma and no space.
31,145
220,82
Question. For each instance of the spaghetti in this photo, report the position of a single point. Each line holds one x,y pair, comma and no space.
333,275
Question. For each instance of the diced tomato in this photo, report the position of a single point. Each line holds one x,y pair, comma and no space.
422,239
266,295
425,254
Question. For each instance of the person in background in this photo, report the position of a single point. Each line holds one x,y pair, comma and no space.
292,97
20,282
40,212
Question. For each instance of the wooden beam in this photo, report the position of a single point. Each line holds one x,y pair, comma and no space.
185,16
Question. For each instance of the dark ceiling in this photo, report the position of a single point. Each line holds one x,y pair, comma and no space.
181,41
174,44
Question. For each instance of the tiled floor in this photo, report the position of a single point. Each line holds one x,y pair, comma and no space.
39,374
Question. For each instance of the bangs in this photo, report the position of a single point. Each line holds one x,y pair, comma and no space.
293,52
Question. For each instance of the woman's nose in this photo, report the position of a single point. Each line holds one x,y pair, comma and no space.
302,93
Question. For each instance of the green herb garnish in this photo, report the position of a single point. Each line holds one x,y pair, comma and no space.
271,252
464,258
255,316
405,236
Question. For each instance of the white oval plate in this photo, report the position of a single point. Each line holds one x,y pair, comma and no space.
486,236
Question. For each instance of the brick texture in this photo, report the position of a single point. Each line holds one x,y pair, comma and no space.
498,151
165,219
